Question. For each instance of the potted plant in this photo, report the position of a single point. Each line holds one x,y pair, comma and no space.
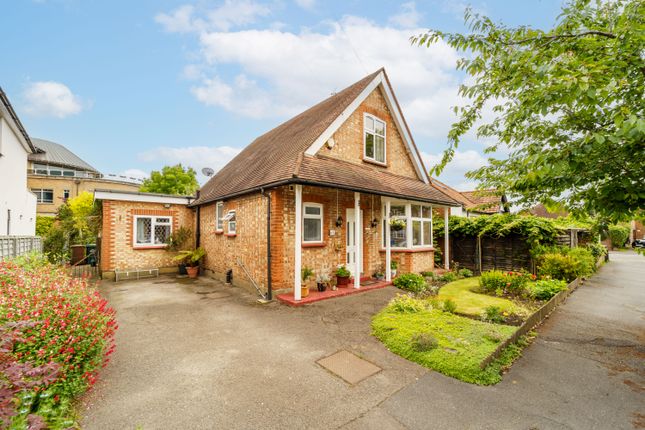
191,259
379,275
342,276
322,281
176,242
306,274
393,266
397,224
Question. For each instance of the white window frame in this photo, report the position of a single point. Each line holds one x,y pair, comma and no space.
408,224
310,216
231,221
39,192
373,132
153,223
219,211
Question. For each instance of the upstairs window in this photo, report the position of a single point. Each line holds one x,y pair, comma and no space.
374,144
219,213
152,230
312,223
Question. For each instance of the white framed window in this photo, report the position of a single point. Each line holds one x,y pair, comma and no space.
312,223
373,138
219,214
151,230
417,229
43,195
232,223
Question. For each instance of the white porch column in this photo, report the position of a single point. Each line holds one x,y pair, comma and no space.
446,241
297,266
388,244
357,239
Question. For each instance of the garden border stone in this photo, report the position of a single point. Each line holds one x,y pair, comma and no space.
537,317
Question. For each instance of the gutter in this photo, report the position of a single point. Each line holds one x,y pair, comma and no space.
198,232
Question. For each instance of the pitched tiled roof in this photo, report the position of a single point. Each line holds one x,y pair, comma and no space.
484,201
278,157
57,154
454,194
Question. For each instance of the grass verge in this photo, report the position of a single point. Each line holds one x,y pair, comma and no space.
461,343
468,302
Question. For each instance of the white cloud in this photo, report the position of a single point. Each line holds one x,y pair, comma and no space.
49,98
134,173
408,17
306,4
196,157
453,173
231,13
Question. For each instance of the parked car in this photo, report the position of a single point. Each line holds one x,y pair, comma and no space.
638,243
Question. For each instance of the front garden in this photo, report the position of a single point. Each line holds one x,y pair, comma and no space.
56,332
454,322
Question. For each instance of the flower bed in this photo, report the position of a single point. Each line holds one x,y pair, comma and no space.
64,327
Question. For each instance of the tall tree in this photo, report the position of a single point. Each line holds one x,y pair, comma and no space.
172,180
568,106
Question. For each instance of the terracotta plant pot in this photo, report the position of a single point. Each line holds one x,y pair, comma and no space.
192,271
343,281
304,291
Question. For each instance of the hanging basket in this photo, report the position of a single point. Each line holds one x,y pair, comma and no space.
397,224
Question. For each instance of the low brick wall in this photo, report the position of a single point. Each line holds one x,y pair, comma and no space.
537,318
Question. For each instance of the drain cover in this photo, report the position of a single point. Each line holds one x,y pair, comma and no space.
348,366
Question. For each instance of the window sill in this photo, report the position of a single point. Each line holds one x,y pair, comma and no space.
149,247
378,163
219,231
313,244
230,234
419,249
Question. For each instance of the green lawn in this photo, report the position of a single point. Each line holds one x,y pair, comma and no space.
462,342
471,303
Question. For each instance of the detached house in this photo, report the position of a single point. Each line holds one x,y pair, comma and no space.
319,191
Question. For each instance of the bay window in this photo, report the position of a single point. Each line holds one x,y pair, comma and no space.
410,225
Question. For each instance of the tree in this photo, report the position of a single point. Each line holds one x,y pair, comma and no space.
79,219
567,102
172,180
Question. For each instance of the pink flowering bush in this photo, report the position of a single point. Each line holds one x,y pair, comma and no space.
66,328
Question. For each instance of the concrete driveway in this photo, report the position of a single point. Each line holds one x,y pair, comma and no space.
201,355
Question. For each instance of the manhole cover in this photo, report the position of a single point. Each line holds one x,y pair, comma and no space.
348,366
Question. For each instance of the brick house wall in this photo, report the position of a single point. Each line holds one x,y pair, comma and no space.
249,243
349,138
117,250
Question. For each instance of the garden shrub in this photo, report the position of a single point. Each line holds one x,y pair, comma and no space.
597,249
618,234
493,314
449,306
410,282
403,303
428,274
448,277
495,281
544,289
492,280
423,342
465,273
558,266
66,323
585,261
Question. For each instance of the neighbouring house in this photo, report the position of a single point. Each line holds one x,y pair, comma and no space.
17,204
56,174
319,191
135,228
474,203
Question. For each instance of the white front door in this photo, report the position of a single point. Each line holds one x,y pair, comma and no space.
350,235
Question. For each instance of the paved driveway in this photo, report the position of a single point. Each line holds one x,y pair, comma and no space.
196,355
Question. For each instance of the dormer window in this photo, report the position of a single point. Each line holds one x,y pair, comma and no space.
374,142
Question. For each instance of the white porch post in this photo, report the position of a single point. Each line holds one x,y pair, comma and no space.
446,241
357,239
297,280
388,244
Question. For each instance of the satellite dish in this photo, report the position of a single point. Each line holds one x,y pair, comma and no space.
207,171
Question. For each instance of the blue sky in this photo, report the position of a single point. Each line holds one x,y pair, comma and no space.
133,85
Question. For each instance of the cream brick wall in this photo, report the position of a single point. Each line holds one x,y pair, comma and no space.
59,184
117,250
349,138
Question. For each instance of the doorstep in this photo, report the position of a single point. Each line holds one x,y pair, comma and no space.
316,296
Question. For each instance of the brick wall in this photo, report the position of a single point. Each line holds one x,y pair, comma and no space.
349,138
117,250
